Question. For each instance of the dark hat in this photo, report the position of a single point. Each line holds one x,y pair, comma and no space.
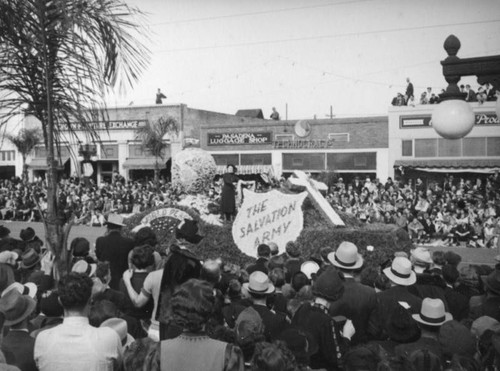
27,234
300,342
292,249
329,285
401,327
16,307
4,232
492,282
50,305
30,258
455,338
188,230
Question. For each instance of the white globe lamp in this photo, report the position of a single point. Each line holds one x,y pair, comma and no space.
453,119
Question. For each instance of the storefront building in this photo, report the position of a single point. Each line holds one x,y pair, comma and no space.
345,146
416,150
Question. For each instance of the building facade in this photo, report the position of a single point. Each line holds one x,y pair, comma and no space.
416,150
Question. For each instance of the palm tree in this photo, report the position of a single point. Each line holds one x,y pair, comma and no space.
60,58
25,141
152,135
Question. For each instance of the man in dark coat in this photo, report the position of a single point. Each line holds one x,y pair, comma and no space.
263,255
358,301
114,248
18,342
409,90
402,276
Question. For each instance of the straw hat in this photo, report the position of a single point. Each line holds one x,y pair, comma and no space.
259,283
309,268
346,256
400,272
16,307
30,289
432,313
421,256
121,328
115,219
81,266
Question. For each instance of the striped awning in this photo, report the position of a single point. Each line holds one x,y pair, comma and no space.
143,163
451,165
249,169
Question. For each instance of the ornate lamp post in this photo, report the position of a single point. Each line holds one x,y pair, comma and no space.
453,118
87,154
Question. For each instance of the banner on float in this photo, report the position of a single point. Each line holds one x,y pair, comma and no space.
268,217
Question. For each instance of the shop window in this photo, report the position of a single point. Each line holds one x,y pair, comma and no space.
493,146
360,161
407,148
425,147
109,151
304,161
352,161
256,159
297,162
474,147
224,160
449,148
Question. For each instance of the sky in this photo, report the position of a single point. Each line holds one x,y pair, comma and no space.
303,56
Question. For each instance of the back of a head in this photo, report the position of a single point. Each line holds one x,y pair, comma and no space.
80,247
179,268
75,290
263,251
145,236
272,357
450,274
277,277
142,256
192,304
425,360
101,310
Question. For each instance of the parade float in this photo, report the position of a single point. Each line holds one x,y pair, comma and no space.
297,212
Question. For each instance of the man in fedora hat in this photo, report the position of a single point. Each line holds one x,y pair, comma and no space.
17,309
260,287
114,248
430,318
401,276
487,304
358,301
30,240
76,345
332,339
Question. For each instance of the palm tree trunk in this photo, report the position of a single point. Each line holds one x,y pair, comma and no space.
157,174
25,170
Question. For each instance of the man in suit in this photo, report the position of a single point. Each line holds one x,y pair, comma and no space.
457,302
402,276
17,309
263,255
409,90
471,94
358,301
114,248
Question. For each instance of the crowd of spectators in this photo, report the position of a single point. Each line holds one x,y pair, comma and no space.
127,305
485,93
453,211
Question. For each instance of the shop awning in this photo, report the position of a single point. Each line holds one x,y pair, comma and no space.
143,163
452,166
39,163
249,169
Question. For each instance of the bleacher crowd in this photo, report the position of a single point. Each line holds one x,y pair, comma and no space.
127,305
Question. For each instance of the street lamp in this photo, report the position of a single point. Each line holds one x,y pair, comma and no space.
453,118
87,153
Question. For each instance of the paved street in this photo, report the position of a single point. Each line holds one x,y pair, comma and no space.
475,256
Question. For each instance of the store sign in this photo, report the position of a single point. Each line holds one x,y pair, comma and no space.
226,139
268,217
304,144
481,119
111,125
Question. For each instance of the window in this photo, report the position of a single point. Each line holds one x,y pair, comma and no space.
256,159
407,148
425,147
338,137
493,146
449,148
352,161
109,151
304,161
7,155
360,161
224,160
474,147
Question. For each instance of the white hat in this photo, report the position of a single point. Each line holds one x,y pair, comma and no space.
346,256
432,313
82,266
400,272
115,219
121,328
259,283
309,268
29,288
421,255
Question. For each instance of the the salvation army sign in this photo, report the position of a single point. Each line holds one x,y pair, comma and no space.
268,217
